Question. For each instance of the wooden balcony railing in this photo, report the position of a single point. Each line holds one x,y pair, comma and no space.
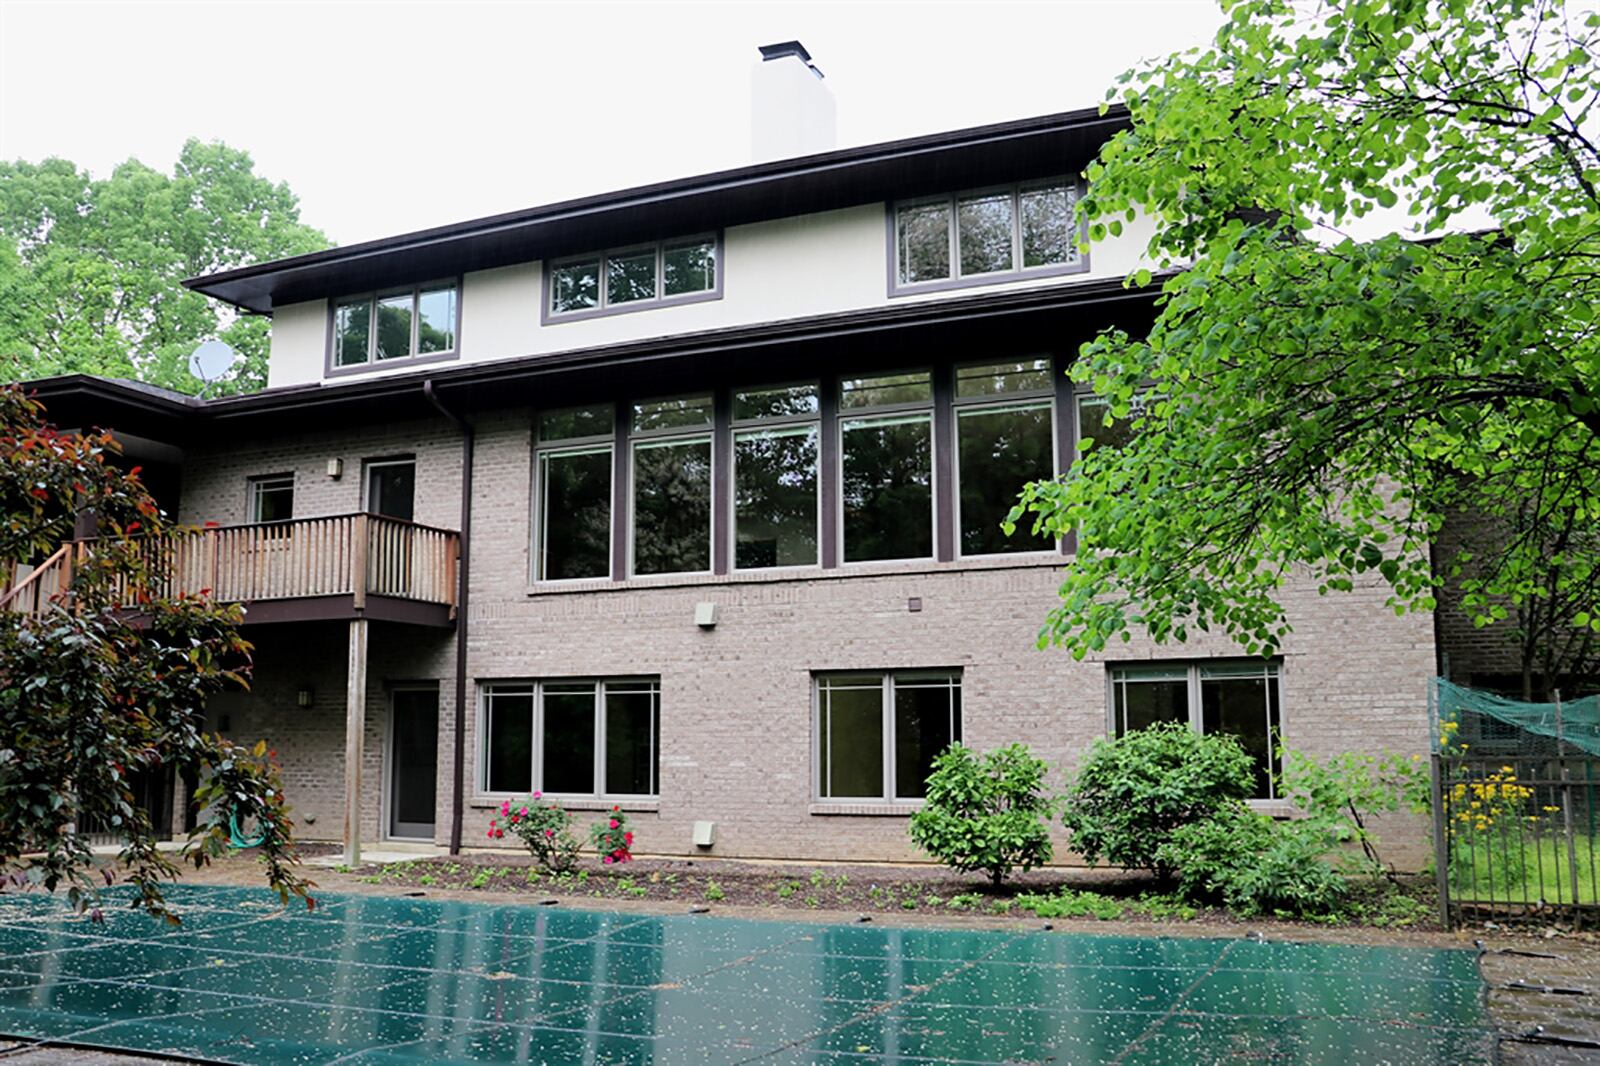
354,555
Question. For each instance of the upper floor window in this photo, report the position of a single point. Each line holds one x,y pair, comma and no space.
385,327
671,465
629,279
574,503
973,238
1005,438
886,459
776,452
1097,423
272,498
1239,699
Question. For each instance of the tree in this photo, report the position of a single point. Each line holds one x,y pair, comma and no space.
1314,402
90,269
107,680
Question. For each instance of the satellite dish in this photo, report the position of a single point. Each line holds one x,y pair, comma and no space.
211,360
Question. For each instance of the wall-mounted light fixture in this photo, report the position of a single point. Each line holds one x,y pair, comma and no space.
335,469
304,697
705,615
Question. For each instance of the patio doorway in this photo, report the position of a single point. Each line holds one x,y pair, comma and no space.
413,762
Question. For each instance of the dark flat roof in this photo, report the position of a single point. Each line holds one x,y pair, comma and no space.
940,162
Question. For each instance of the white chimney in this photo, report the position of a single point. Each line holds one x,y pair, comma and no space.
791,109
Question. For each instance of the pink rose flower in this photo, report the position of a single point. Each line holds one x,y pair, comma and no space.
524,812
505,808
613,823
608,860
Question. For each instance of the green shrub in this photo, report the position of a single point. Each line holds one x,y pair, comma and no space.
1133,792
985,812
1343,792
1256,865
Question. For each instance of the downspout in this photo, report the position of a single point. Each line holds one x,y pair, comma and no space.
464,575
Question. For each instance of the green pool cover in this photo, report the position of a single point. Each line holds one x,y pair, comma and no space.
387,980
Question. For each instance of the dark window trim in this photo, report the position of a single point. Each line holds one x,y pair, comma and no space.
593,444
934,407
669,436
547,268
999,277
829,419
808,422
534,688
373,366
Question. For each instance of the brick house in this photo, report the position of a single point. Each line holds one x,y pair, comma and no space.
685,497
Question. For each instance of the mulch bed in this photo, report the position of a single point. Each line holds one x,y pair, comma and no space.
799,886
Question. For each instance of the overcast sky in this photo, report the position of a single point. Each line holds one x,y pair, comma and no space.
386,116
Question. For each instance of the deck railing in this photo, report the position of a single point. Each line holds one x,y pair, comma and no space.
354,555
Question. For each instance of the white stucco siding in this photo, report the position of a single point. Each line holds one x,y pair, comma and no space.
299,344
789,268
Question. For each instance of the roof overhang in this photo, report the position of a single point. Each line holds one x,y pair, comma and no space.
1051,318
981,155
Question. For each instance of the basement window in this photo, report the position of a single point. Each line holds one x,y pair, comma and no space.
877,734
1240,699
573,738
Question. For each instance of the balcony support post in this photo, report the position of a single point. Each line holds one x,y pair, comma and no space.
355,720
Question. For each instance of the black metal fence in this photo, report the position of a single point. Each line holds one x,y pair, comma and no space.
1517,836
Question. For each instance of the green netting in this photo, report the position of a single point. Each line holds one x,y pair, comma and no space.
1485,722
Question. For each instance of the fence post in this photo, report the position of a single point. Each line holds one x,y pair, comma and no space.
1441,842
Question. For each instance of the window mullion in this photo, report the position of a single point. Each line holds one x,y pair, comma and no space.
416,321
372,330
1196,717
1016,228
536,748
598,785
955,239
889,788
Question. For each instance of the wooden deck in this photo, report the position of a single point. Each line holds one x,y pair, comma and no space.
335,567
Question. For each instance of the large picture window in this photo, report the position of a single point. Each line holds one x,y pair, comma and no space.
387,327
572,738
1005,438
776,441
998,234
877,734
886,459
671,464
574,494
1241,700
629,279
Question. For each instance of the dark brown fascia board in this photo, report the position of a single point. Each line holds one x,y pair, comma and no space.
632,353
226,285
105,401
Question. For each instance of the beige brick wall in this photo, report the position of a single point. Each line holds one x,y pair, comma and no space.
736,744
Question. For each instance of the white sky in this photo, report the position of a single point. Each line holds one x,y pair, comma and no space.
392,116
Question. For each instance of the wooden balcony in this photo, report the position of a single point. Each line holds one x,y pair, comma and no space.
339,567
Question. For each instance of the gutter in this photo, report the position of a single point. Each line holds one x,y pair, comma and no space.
463,594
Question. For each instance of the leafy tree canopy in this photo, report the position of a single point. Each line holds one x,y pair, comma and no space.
1310,401
107,680
90,269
